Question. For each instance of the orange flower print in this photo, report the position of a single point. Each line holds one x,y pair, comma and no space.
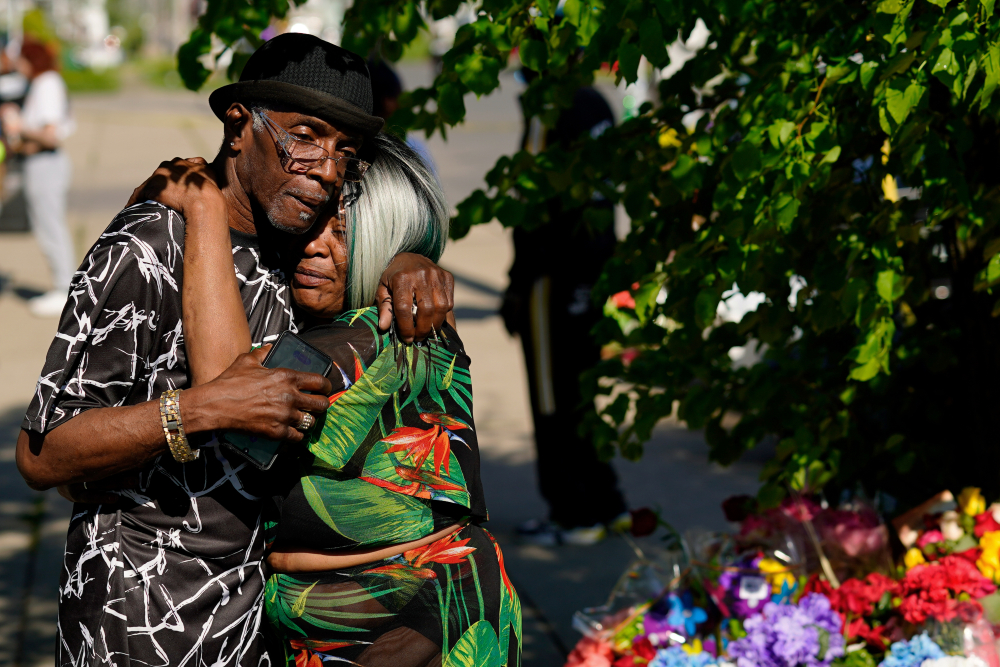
446,550
420,486
419,444
441,419
307,657
503,569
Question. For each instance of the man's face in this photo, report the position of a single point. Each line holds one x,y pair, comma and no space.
290,193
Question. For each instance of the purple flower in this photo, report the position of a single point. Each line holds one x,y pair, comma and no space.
803,635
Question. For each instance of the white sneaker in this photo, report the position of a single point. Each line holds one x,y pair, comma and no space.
49,304
549,534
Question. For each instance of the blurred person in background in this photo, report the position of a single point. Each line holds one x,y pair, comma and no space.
37,131
548,296
386,89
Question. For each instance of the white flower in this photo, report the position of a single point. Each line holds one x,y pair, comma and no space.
954,661
949,526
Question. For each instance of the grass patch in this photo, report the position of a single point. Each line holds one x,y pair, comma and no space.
160,72
91,81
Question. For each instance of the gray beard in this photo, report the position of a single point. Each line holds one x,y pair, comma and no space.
303,216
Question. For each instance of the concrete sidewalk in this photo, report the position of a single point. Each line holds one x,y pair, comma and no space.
120,140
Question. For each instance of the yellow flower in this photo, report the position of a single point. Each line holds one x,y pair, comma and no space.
913,558
989,559
776,574
668,137
971,501
693,648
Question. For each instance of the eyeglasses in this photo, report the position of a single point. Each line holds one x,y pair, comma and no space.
310,156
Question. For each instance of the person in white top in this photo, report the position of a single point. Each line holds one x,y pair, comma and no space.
37,131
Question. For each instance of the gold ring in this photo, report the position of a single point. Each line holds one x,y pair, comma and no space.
306,422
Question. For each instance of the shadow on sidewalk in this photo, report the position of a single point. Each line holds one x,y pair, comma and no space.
674,476
32,533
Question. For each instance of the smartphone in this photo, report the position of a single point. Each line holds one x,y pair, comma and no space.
292,352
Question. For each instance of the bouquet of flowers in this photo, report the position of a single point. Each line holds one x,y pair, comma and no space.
803,585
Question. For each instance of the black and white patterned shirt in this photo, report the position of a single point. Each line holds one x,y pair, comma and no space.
173,573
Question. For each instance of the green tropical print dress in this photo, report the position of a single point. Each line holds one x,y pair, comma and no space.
395,460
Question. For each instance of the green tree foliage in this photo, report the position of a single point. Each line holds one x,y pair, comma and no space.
809,107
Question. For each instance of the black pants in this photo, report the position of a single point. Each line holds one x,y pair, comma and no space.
555,325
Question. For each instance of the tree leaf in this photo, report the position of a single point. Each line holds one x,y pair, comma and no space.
868,69
628,62
991,66
651,41
705,306
900,101
480,73
884,285
831,155
450,103
786,209
645,299
534,54
891,6
746,161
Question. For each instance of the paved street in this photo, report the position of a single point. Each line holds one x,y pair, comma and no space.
120,139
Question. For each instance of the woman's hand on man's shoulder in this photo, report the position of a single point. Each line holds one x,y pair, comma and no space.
418,293
187,185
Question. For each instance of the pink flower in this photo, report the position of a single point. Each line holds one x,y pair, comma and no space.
800,509
930,537
857,533
591,652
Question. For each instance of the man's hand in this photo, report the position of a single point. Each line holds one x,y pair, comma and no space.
182,184
250,398
101,492
414,282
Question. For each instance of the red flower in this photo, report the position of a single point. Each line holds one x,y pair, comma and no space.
856,597
930,591
874,636
642,648
985,523
623,300
644,522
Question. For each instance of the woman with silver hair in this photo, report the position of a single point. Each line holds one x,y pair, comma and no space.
376,548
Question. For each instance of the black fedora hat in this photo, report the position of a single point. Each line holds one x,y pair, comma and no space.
309,74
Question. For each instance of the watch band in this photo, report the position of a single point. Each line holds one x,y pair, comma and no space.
173,428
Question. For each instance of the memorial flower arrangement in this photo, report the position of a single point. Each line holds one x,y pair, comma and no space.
804,585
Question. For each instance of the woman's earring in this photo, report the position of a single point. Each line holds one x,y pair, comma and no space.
232,143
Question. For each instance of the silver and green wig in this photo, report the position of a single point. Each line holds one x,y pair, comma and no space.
400,208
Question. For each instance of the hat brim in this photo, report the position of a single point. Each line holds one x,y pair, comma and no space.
341,114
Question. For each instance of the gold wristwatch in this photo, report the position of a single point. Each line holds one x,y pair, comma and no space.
170,417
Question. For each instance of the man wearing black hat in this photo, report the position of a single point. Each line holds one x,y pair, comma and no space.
168,569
